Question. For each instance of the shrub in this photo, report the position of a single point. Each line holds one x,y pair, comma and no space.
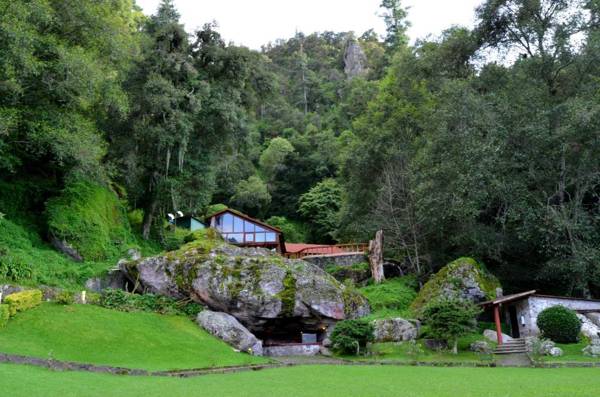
14,269
4,315
23,300
91,218
124,301
350,336
174,238
64,298
395,293
559,324
450,318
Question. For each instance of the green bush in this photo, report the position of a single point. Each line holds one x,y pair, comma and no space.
91,218
391,298
559,324
351,336
64,298
174,238
14,269
23,300
450,318
4,315
123,301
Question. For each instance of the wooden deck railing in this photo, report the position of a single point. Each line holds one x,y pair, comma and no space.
329,250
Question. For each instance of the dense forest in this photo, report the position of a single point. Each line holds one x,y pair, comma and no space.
484,141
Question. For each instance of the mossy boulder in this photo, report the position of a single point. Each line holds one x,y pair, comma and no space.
258,287
463,278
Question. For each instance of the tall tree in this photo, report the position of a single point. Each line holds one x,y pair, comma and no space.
164,104
396,24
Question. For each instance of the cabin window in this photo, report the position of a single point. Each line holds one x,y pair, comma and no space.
225,223
235,238
249,227
238,224
237,230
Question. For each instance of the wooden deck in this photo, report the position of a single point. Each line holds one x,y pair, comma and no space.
338,249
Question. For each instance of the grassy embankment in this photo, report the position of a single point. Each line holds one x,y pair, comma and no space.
91,334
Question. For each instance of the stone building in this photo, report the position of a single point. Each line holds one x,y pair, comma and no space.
520,312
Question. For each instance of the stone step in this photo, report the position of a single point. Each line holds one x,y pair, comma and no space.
514,342
510,351
506,349
511,347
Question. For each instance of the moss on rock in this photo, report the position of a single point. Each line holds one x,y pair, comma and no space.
288,295
463,278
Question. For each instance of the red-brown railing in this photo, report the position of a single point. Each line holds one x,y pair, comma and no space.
328,250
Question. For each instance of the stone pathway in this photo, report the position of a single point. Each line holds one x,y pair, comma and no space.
513,360
310,360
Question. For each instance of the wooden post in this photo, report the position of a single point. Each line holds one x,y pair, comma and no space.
498,325
376,257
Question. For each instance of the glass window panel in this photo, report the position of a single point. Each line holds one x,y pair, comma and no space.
260,237
249,237
238,224
260,229
227,223
271,238
249,227
236,238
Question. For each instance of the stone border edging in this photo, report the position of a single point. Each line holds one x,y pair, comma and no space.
107,369
58,365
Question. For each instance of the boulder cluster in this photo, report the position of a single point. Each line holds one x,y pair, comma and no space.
267,295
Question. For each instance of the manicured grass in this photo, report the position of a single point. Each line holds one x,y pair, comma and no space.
90,334
391,298
313,381
572,353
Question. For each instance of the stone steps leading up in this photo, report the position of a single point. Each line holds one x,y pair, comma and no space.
513,346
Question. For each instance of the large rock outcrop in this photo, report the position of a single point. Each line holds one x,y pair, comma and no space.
492,336
355,60
588,328
395,330
227,328
267,293
463,278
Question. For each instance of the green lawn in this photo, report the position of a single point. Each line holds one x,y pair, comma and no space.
313,381
572,353
90,334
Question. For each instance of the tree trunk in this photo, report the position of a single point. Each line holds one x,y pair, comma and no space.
149,218
455,346
376,257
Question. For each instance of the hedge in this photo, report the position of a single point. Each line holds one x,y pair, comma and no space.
559,324
23,300
4,315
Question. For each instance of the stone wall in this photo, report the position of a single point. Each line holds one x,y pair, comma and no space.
530,309
336,259
292,350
